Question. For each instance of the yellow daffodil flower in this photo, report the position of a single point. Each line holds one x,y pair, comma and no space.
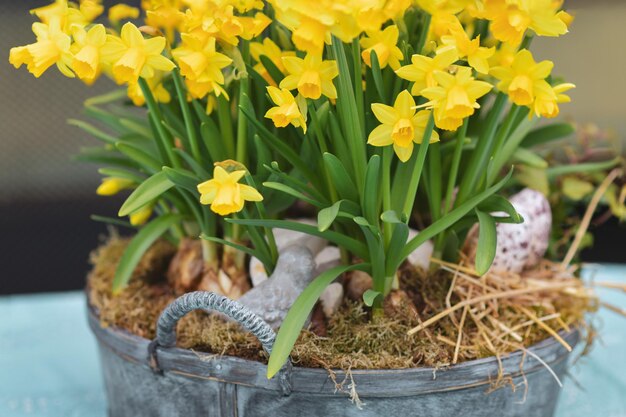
288,110
521,80
200,89
243,6
67,16
164,14
450,7
309,36
422,68
86,47
477,56
122,11
504,55
52,47
199,61
131,56
91,9
511,18
113,185
384,43
311,76
141,216
254,25
269,49
455,97
401,126
225,194
547,99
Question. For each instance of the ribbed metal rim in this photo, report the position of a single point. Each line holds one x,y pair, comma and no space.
374,383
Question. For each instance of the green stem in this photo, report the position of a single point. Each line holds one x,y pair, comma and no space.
349,114
184,106
321,140
417,169
166,141
505,129
209,254
481,153
242,131
434,180
226,127
454,168
423,35
358,81
386,185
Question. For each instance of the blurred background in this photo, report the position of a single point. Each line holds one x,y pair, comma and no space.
46,199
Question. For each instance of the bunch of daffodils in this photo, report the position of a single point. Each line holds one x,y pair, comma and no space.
371,113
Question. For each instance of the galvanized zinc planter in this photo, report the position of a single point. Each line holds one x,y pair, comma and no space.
155,379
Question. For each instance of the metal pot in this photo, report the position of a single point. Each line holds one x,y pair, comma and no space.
154,379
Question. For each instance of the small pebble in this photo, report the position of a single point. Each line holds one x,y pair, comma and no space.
331,299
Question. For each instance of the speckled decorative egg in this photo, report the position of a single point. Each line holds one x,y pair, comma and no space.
512,252
520,246
538,215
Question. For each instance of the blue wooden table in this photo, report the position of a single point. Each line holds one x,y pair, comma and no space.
49,365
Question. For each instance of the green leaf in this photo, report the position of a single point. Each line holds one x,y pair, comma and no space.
139,156
93,131
377,76
109,119
529,158
260,255
376,249
291,191
341,179
292,179
455,215
341,240
397,242
212,141
112,221
121,173
272,69
142,241
545,134
371,296
193,164
106,98
349,113
297,315
371,196
486,249
183,178
498,203
104,157
277,144
327,216
136,127
146,192
585,167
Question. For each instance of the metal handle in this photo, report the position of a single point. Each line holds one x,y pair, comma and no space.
205,300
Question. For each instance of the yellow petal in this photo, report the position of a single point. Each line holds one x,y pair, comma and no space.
385,114
381,136
404,104
404,153
248,193
131,35
237,175
293,64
